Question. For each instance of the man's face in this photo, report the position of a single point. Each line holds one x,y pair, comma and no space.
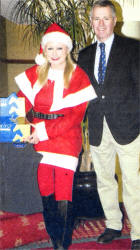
103,22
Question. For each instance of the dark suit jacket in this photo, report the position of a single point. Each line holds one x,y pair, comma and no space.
118,98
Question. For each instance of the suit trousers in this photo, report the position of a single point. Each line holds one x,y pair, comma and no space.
104,159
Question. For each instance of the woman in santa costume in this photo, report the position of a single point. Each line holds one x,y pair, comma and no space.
56,92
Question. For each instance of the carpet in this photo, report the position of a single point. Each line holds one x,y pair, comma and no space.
19,230
28,232
85,235
121,244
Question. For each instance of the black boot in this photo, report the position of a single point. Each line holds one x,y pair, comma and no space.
49,214
66,223
59,221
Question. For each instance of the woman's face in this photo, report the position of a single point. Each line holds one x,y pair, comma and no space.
56,54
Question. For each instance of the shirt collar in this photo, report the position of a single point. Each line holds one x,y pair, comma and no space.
108,42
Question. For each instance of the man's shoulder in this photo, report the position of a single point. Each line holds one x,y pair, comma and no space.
126,40
87,48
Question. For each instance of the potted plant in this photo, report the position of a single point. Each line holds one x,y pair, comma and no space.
72,15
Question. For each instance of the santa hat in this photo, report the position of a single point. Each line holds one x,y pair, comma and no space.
53,33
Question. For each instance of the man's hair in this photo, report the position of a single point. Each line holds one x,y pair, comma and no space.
104,3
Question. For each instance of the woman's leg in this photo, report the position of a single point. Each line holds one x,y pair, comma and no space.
55,186
45,178
59,221
63,195
66,223
50,214
46,187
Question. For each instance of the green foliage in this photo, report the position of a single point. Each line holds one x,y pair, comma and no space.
72,15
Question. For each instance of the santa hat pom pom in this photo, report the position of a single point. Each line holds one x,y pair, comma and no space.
40,59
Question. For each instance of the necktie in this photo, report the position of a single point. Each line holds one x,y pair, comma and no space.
102,64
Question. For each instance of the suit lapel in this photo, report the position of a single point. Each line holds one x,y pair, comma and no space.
92,63
96,86
114,57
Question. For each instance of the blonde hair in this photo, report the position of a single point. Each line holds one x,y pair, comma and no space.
43,70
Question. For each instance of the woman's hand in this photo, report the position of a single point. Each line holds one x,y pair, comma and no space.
33,138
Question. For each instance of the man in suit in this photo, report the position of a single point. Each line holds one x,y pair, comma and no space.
114,119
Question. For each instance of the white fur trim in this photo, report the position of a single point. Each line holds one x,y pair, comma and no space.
57,37
41,131
70,100
74,99
79,97
60,160
36,89
59,102
40,59
25,86
57,76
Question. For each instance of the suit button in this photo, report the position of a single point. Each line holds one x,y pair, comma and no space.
103,97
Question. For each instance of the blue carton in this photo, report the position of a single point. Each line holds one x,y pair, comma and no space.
13,125
8,107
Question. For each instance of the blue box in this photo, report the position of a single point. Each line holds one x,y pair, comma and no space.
13,125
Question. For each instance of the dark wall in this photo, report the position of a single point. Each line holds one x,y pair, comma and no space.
3,56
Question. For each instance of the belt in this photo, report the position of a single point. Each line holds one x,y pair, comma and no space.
45,116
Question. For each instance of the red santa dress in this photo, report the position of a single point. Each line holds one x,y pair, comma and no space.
60,139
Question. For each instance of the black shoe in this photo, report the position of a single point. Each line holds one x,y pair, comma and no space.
109,235
135,245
